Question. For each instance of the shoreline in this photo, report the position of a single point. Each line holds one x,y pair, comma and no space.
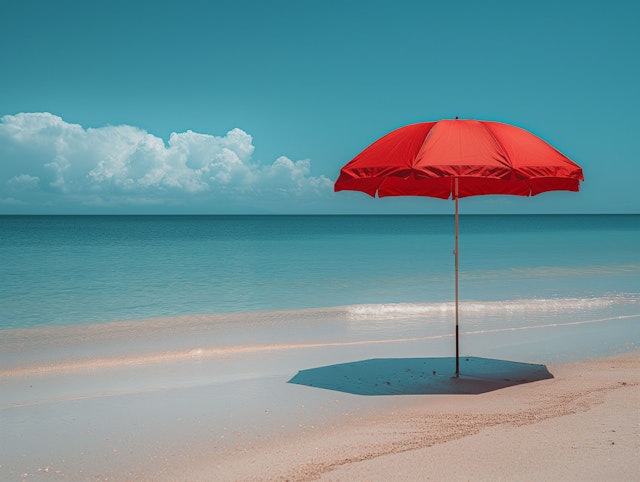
189,402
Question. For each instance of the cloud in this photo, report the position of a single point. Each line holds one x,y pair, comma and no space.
47,161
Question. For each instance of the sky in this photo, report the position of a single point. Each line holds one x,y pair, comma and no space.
252,107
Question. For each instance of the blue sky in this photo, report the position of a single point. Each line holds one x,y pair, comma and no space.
253,107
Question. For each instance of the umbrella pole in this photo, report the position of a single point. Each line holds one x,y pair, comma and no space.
456,253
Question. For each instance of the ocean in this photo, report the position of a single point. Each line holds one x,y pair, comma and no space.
72,270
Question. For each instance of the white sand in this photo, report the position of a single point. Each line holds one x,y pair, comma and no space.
582,425
167,403
599,444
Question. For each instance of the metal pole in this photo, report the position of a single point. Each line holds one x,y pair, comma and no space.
456,252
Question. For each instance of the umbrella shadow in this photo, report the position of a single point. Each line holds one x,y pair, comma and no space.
421,376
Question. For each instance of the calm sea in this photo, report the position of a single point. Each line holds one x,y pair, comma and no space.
68,270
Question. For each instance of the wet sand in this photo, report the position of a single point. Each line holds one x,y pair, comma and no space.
173,401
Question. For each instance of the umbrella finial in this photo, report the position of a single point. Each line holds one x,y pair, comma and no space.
457,118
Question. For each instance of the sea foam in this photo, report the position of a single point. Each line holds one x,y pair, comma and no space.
404,310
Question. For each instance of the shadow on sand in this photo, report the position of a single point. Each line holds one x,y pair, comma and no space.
421,376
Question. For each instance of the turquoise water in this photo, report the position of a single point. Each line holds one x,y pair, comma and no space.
66,270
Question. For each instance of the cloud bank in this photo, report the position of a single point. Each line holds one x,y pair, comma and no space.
48,163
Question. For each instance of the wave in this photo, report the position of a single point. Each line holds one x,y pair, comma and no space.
407,310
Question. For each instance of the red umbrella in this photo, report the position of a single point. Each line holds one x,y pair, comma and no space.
459,158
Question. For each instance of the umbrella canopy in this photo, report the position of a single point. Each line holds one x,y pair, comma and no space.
459,158
486,157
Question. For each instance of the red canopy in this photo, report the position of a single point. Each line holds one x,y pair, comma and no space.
487,158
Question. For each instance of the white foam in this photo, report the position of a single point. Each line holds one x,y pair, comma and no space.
397,310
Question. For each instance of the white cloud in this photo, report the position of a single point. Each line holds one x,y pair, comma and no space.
23,182
44,159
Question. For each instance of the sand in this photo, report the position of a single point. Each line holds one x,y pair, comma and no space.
168,403
584,424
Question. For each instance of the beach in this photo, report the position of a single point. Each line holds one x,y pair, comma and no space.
582,425
158,401
302,240
227,348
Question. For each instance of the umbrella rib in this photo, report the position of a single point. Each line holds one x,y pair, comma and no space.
487,127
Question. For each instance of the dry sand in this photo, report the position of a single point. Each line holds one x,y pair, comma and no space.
584,424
